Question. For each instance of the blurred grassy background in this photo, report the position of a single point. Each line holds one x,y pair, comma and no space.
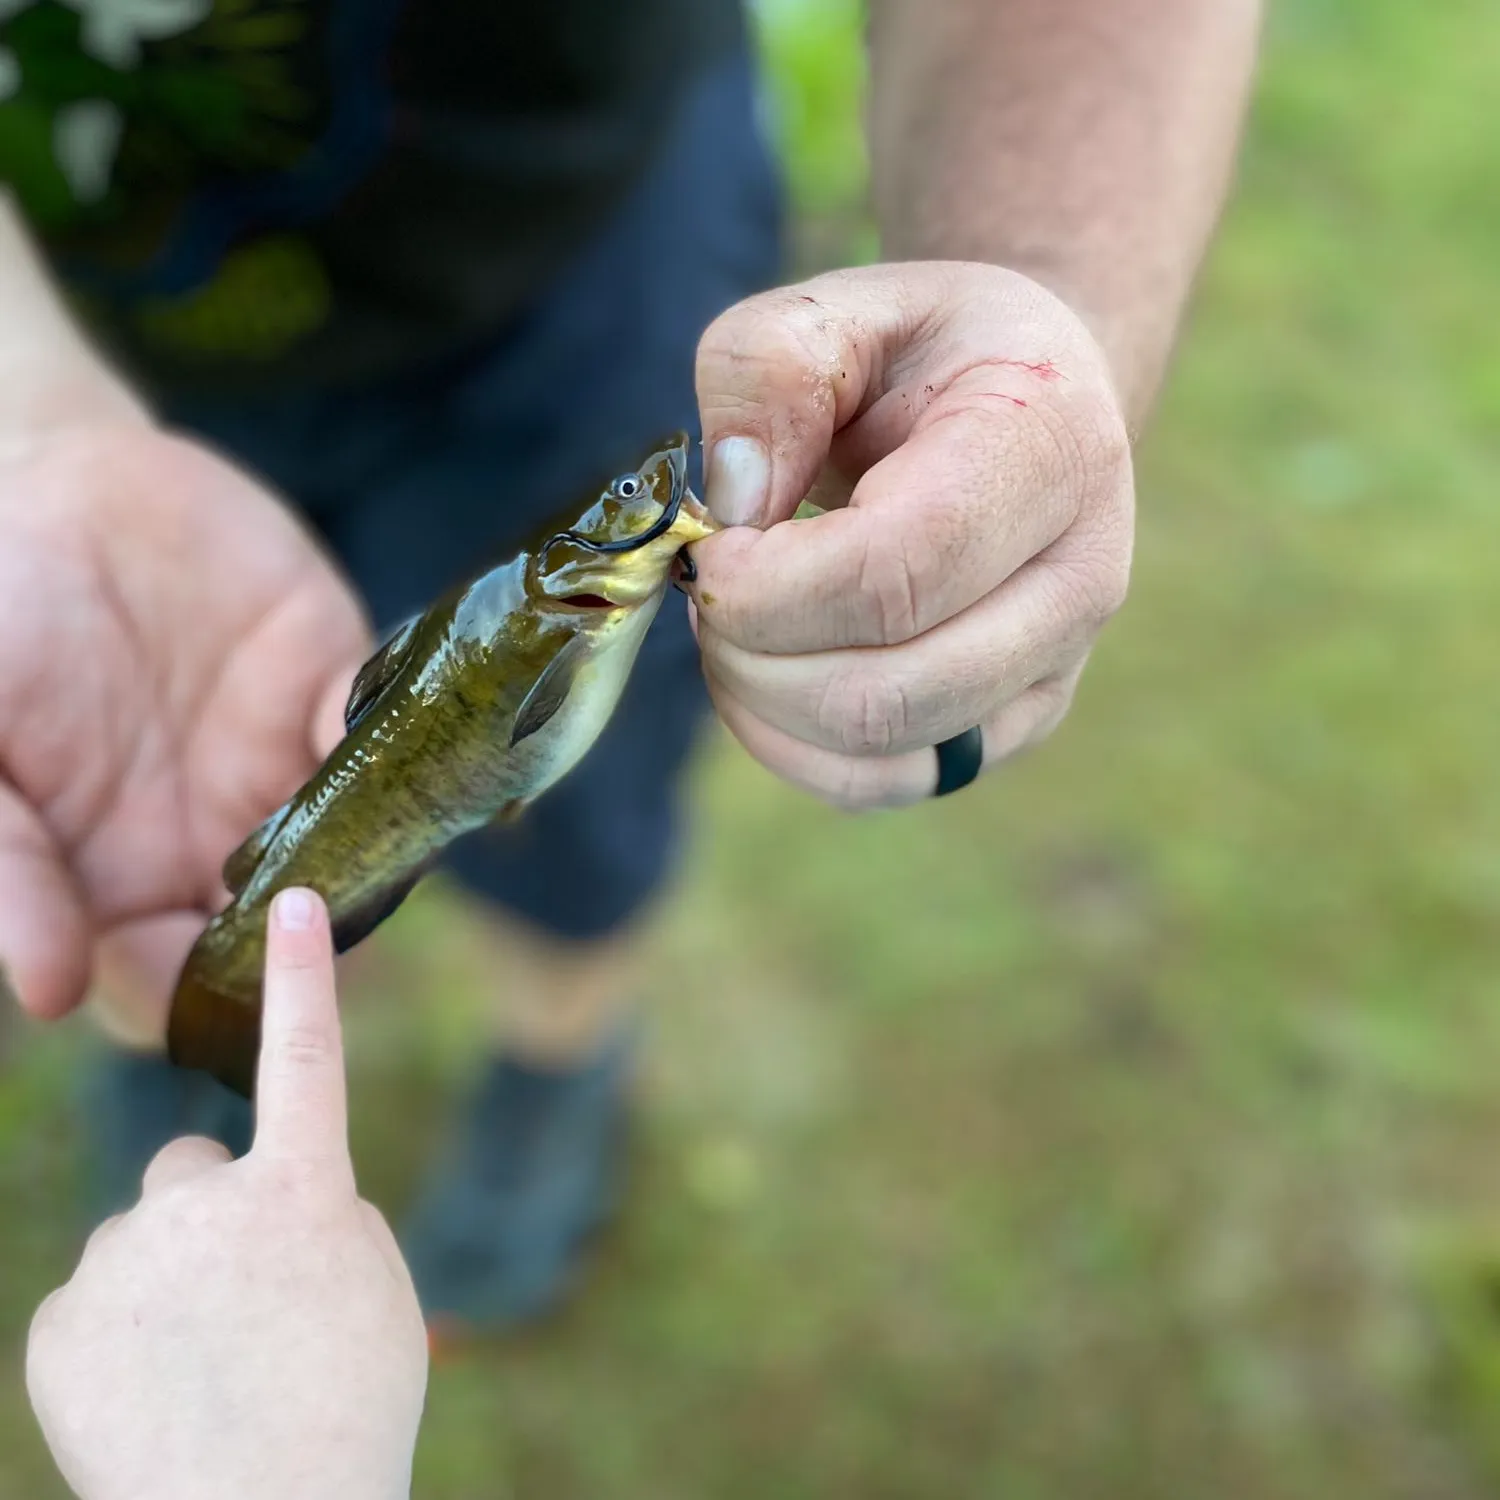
1126,1128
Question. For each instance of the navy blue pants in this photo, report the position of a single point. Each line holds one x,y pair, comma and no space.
415,482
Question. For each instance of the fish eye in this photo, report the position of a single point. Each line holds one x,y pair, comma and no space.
627,487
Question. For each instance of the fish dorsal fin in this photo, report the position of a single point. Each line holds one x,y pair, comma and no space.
550,691
379,672
240,865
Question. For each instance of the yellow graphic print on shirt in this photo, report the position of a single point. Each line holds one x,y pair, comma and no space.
168,150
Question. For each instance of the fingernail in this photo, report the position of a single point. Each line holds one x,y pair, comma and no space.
739,481
294,910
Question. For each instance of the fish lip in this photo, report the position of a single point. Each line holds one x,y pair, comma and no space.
693,509
569,602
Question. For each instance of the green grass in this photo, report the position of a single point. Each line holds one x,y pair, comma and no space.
1127,1127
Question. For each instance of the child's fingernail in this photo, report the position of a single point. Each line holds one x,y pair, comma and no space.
294,910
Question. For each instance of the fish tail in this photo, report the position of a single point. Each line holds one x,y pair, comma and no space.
213,1030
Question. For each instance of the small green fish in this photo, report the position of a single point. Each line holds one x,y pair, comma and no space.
467,714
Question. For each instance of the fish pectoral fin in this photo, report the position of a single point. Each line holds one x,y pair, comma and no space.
379,672
240,865
352,927
510,812
549,692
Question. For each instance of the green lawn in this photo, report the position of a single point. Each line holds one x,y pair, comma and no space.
1126,1128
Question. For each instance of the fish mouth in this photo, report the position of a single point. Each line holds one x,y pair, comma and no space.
694,523
631,570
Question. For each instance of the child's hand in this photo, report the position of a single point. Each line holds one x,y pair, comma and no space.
249,1328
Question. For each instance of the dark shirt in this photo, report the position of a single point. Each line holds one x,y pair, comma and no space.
272,192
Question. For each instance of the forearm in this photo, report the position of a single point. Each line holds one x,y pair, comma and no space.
1088,144
49,373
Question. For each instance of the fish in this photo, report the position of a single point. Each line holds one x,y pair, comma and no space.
466,714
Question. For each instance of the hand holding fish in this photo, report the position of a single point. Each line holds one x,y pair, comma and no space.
960,428
174,662
249,1328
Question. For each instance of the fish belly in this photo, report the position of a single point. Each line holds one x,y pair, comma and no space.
544,758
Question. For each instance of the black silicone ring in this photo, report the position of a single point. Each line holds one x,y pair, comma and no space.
959,761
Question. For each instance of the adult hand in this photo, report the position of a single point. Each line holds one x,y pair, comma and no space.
175,654
249,1328
964,437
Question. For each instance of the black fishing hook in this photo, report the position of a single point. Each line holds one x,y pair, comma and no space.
659,527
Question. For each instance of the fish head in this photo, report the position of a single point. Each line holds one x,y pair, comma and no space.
620,553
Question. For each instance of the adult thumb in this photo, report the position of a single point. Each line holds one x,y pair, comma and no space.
781,374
